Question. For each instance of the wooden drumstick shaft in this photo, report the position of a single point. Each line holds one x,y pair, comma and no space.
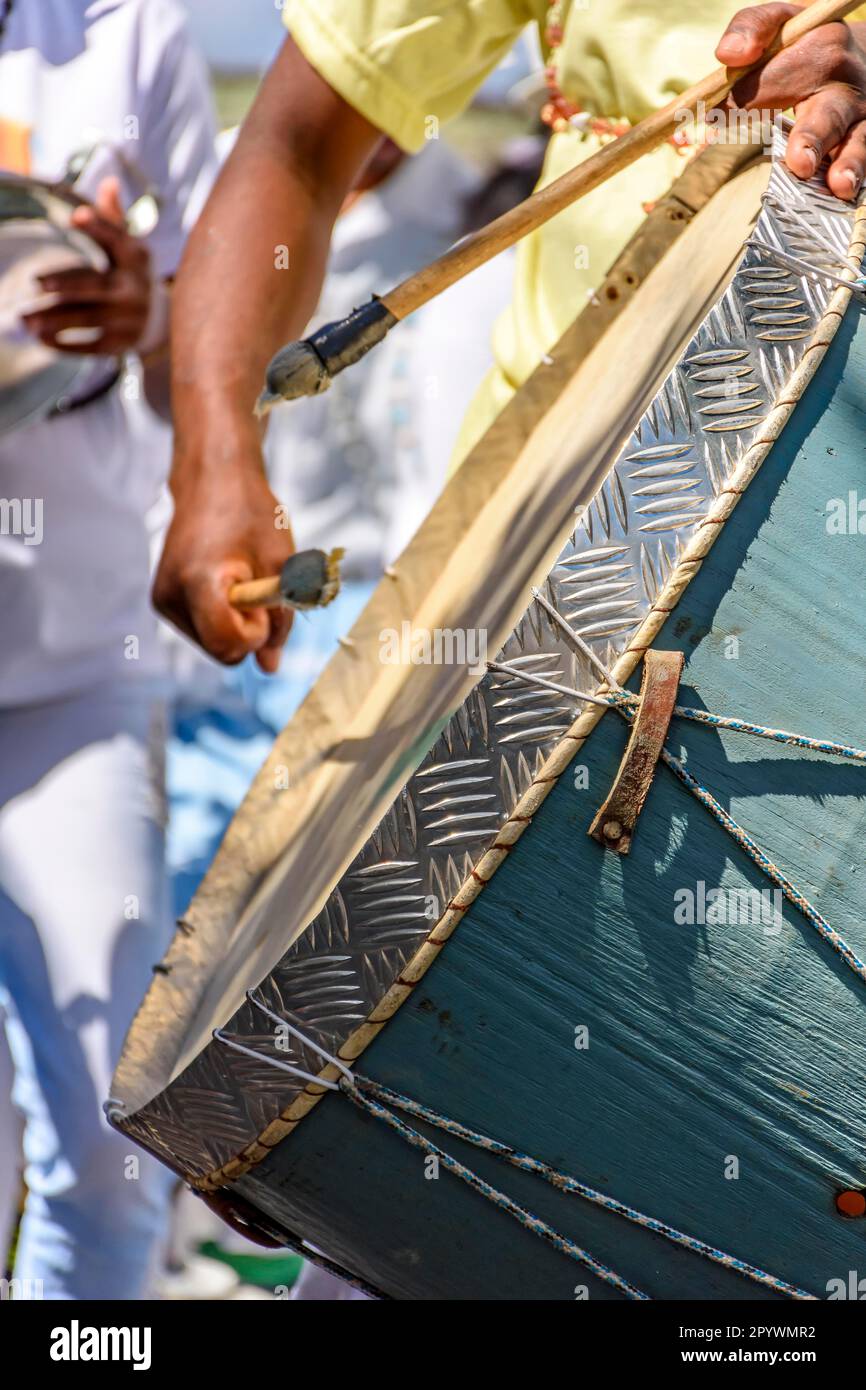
257,593
307,367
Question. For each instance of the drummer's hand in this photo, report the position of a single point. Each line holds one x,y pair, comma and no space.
823,76
225,531
111,305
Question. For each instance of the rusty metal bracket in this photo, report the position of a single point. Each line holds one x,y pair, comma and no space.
614,824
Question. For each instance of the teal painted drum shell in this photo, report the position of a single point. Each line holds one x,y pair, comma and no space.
722,1087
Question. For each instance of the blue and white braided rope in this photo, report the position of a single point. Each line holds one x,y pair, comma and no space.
626,703
741,726
531,1223
763,861
375,1097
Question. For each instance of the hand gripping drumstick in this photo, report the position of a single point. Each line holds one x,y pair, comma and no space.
305,368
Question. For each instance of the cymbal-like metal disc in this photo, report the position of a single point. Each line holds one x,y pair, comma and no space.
36,237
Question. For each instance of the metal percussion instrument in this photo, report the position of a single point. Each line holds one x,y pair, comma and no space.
37,237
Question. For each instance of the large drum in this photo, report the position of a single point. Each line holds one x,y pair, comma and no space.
417,1016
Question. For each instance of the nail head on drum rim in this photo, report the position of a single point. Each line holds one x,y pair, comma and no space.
851,1203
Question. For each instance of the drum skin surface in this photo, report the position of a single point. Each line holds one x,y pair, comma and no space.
721,1087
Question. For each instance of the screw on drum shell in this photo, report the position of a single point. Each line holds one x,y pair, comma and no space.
851,1203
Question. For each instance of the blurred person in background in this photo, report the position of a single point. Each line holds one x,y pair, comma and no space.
83,903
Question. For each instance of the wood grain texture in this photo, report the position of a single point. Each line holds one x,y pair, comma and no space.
705,1041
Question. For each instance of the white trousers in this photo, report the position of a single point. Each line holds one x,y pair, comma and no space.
83,918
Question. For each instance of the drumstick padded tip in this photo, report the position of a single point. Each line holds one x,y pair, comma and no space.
308,579
307,368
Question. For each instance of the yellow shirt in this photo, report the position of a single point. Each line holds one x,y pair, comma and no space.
408,65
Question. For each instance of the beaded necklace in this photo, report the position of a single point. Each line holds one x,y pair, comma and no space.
561,114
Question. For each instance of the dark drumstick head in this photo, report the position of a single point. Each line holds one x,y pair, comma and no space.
308,367
296,370
310,578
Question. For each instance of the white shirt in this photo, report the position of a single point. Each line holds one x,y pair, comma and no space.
74,608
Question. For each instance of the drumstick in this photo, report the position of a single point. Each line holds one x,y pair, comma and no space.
308,579
307,367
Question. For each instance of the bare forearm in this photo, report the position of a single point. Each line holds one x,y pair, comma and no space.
233,306
253,269
250,279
